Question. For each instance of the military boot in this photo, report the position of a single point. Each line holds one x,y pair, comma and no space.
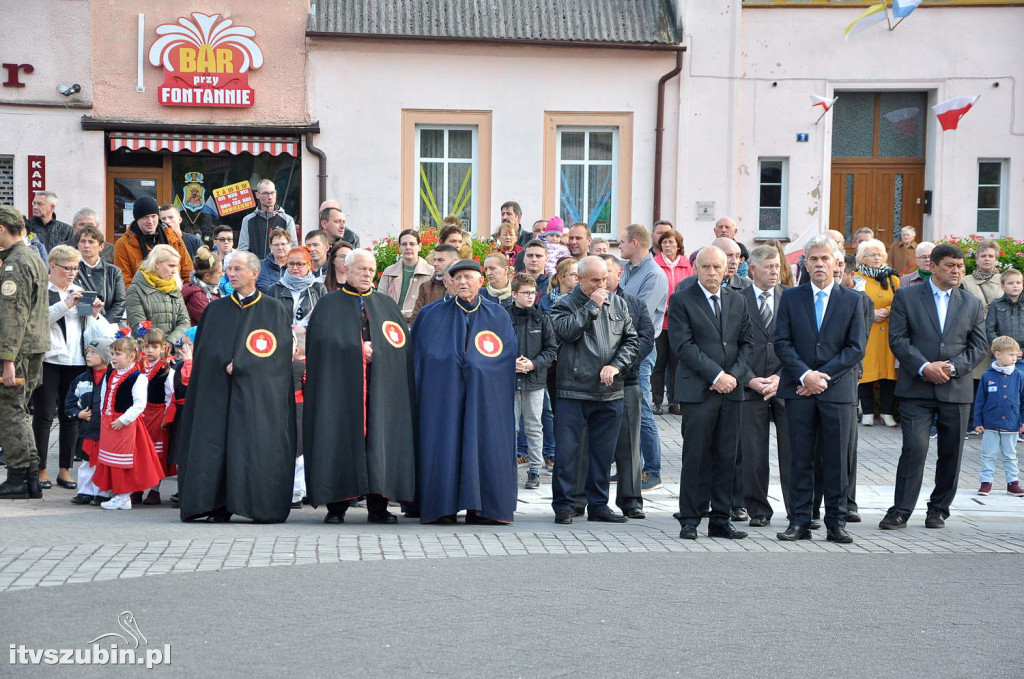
15,487
35,492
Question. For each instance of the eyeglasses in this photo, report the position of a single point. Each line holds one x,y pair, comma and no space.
267,193
572,275
69,269
296,265
229,239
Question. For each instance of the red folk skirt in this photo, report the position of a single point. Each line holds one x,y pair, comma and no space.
131,464
153,419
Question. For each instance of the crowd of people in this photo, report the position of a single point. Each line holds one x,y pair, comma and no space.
275,374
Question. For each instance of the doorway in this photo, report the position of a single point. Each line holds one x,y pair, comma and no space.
125,185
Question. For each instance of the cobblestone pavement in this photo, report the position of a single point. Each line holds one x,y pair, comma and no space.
51,542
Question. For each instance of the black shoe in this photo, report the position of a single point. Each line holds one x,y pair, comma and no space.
412,513
739,514
794,533
35,491
563,516
852,516
578,511
16,485
706,512
70,485
81,499
608,516
218,516
297,505
98,500
814,524
838,534
688,531
759,521
634,513
384,517
335,517
657,409
934,519
726,530
449,520
675,409
893,521
45,485
474,518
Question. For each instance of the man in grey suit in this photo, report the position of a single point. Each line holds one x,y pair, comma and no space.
937,332
761,404
709,330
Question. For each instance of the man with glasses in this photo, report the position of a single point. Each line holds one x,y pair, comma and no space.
254,235
223,241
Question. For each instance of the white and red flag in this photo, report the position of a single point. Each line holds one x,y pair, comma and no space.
824,103
951,111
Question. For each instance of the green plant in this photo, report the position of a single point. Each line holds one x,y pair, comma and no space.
1011,250
385,250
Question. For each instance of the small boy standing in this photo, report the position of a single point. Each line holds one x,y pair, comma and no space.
537,347
999,414
1006,313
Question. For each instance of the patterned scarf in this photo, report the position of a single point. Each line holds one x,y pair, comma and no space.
983,276
881,274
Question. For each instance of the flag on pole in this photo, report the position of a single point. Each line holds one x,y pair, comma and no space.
875,14
824,103
901,9
951,111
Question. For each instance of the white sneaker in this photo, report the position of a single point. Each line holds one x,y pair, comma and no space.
868,420
889,421
118,502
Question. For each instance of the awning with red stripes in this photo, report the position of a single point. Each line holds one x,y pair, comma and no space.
215,143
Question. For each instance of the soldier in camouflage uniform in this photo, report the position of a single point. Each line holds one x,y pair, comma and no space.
24,339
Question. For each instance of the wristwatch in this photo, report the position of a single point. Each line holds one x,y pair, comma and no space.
952,369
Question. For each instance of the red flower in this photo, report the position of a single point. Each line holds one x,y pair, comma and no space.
1002,254
148,325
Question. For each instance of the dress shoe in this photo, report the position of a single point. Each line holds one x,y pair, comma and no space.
449,520
152,498
81,499
634,513
794,533
218,516
739,514
70,485
578,511
726,530
46,485
334,517
657,409
934,519
852,516
563,516
388,517
474,518
608,516
893,521
688,531
838,534
675,409
814,524
759,521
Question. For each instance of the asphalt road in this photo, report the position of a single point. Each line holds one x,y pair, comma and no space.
649,615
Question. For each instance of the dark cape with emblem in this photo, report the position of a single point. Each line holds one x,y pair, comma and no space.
237,437
358,418
465,385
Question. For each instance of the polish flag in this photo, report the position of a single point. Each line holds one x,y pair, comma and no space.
951,111
824,103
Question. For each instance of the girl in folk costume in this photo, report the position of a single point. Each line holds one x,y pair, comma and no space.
126,461
154,364
181,373
83,404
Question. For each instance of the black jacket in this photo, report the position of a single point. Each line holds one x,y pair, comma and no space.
50,235
306,303
535,339
1005,318
645,333
84,393
108,282
592,337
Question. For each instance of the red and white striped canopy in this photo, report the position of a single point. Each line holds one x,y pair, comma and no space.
215,143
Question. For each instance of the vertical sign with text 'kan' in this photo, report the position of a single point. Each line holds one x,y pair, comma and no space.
36,178
206,62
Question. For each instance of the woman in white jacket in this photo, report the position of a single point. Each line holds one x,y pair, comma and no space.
70,333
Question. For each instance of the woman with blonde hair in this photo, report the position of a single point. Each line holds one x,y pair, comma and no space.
205,284
786,270
561,283
155,294
879,282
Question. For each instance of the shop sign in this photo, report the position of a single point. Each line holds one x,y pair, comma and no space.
234,198
206,62
36,178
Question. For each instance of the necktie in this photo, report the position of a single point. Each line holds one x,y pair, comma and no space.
718,310
943,305
764,309
819,307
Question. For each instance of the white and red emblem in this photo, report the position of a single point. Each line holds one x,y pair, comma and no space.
394,334
261,343
488,344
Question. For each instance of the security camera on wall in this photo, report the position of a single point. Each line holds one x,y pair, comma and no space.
68,90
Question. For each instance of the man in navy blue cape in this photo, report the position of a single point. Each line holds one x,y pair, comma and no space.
464,354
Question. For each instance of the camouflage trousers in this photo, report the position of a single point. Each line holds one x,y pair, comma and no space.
16,435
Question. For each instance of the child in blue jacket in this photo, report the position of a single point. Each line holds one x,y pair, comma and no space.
999,414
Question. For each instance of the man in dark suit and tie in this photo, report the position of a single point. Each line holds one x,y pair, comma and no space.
761,403
709,330
820,338
937,331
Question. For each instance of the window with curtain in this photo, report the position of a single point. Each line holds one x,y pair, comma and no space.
446,157
771,214
587,176
991,196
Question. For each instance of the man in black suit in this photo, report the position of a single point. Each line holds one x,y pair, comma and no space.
709,330
761,403
819,337
937,332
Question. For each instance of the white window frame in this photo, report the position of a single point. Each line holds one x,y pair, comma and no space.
442,201
1002,186
783,229
613,201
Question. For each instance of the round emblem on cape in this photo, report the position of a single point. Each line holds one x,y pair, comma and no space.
394,334
9,288
261,343
488,344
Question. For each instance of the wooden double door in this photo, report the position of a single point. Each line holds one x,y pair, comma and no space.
883,198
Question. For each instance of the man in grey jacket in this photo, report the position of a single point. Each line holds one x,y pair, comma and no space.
254,236
597,344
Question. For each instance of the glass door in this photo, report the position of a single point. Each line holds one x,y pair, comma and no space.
124,187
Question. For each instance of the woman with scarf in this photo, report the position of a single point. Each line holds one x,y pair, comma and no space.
497,270
155,294
879,282
298,288
985,283
561,284
507,245
205,284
